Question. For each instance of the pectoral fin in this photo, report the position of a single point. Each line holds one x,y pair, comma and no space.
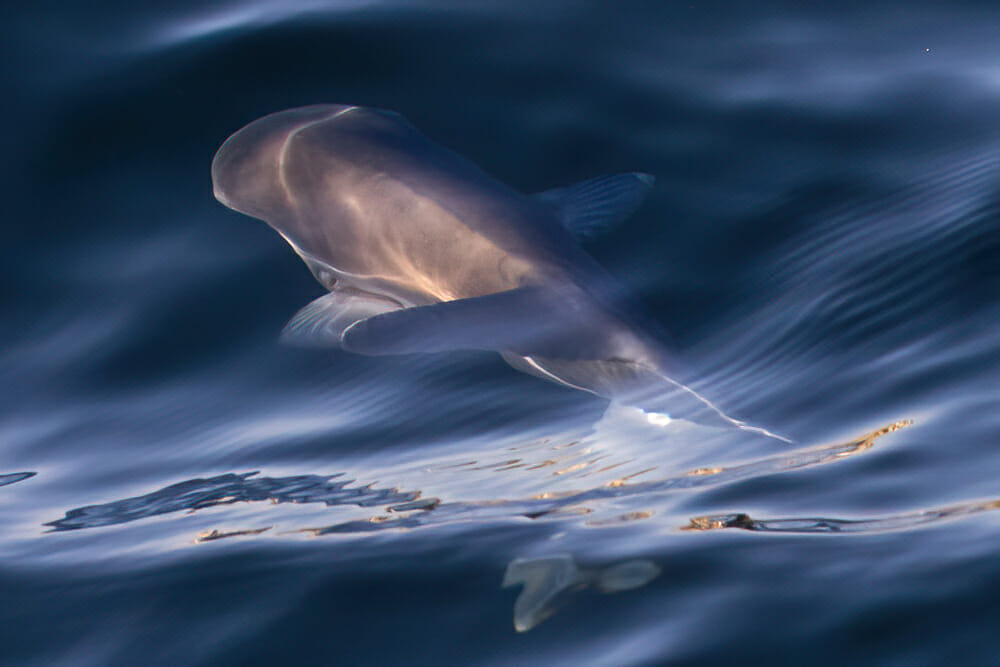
323,321
501,321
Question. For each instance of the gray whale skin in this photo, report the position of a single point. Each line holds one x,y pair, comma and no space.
422,251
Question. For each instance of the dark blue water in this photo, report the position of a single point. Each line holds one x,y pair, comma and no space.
822,249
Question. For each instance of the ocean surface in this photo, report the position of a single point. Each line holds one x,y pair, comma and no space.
821,251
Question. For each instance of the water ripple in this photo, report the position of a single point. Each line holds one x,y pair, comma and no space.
883,272
560,505
245,16
201,493
903,521
15,477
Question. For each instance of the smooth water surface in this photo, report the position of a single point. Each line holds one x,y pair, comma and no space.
822,251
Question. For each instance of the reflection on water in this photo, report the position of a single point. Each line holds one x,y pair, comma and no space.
573,503
213,535
548,581
410,509
201,493
15,477
824,525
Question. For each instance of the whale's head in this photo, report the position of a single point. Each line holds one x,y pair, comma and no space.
247,168
319,176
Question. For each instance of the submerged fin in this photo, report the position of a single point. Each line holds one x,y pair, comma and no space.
544,579
323,321
628,575
501,321
548,581
592,207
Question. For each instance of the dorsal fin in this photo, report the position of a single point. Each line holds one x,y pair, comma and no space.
544,579
592,207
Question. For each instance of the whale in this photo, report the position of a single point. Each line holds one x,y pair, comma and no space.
420,251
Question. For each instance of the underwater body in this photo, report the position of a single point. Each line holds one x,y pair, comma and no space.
422,252
820,257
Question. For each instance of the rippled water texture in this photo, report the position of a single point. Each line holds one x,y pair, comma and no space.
821,250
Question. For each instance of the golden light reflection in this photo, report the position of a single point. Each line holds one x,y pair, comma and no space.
699,472
623,481
904,521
